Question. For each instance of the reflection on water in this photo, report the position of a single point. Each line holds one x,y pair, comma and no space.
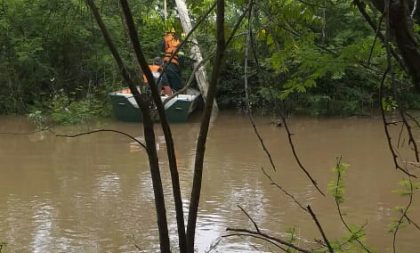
94,194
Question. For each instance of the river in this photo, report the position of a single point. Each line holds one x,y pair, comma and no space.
93,193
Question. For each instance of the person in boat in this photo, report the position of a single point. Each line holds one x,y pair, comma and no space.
156,69
173,69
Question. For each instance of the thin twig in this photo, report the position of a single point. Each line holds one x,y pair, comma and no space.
103,130
354,237
400,137
281,115
411,139
284,191
250,218
289,136
413,119
404,214
330,249
257,237
214,245
268,238
337,203
248,105
412,222
266,151
378,30
237,25
387,133
381,89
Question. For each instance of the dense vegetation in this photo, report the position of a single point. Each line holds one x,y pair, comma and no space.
315,57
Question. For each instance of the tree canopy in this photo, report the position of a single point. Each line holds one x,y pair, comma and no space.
317,57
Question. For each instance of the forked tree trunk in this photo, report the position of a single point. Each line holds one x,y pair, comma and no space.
405,38
200,75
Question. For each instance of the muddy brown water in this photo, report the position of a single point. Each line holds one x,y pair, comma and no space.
93,193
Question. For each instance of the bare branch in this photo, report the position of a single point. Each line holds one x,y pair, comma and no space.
265,149
378,30
404,214
268,238
248,41
381,92
337,203
284,191
250,218
257,237
411,139
330,249
138,247
289,136
413,119
214,245
387,133
104,130
411,222
238,23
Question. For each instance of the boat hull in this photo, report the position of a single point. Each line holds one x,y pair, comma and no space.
177,109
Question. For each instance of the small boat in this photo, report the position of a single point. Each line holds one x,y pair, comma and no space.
177,108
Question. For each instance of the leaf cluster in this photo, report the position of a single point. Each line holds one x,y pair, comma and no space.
336,187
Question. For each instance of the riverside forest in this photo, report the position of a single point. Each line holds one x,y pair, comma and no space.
209,126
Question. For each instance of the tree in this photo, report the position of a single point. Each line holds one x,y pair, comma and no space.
186,240
402,18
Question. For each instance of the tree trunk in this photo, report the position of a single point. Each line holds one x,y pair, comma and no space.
200,74
143,102
204,128
402,30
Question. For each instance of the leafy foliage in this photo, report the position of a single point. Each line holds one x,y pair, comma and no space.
336,187
51,47
2,245
317,58
307,57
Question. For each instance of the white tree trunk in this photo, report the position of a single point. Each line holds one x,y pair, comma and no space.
200,75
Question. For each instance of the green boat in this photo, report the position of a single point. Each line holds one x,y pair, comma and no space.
177,109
